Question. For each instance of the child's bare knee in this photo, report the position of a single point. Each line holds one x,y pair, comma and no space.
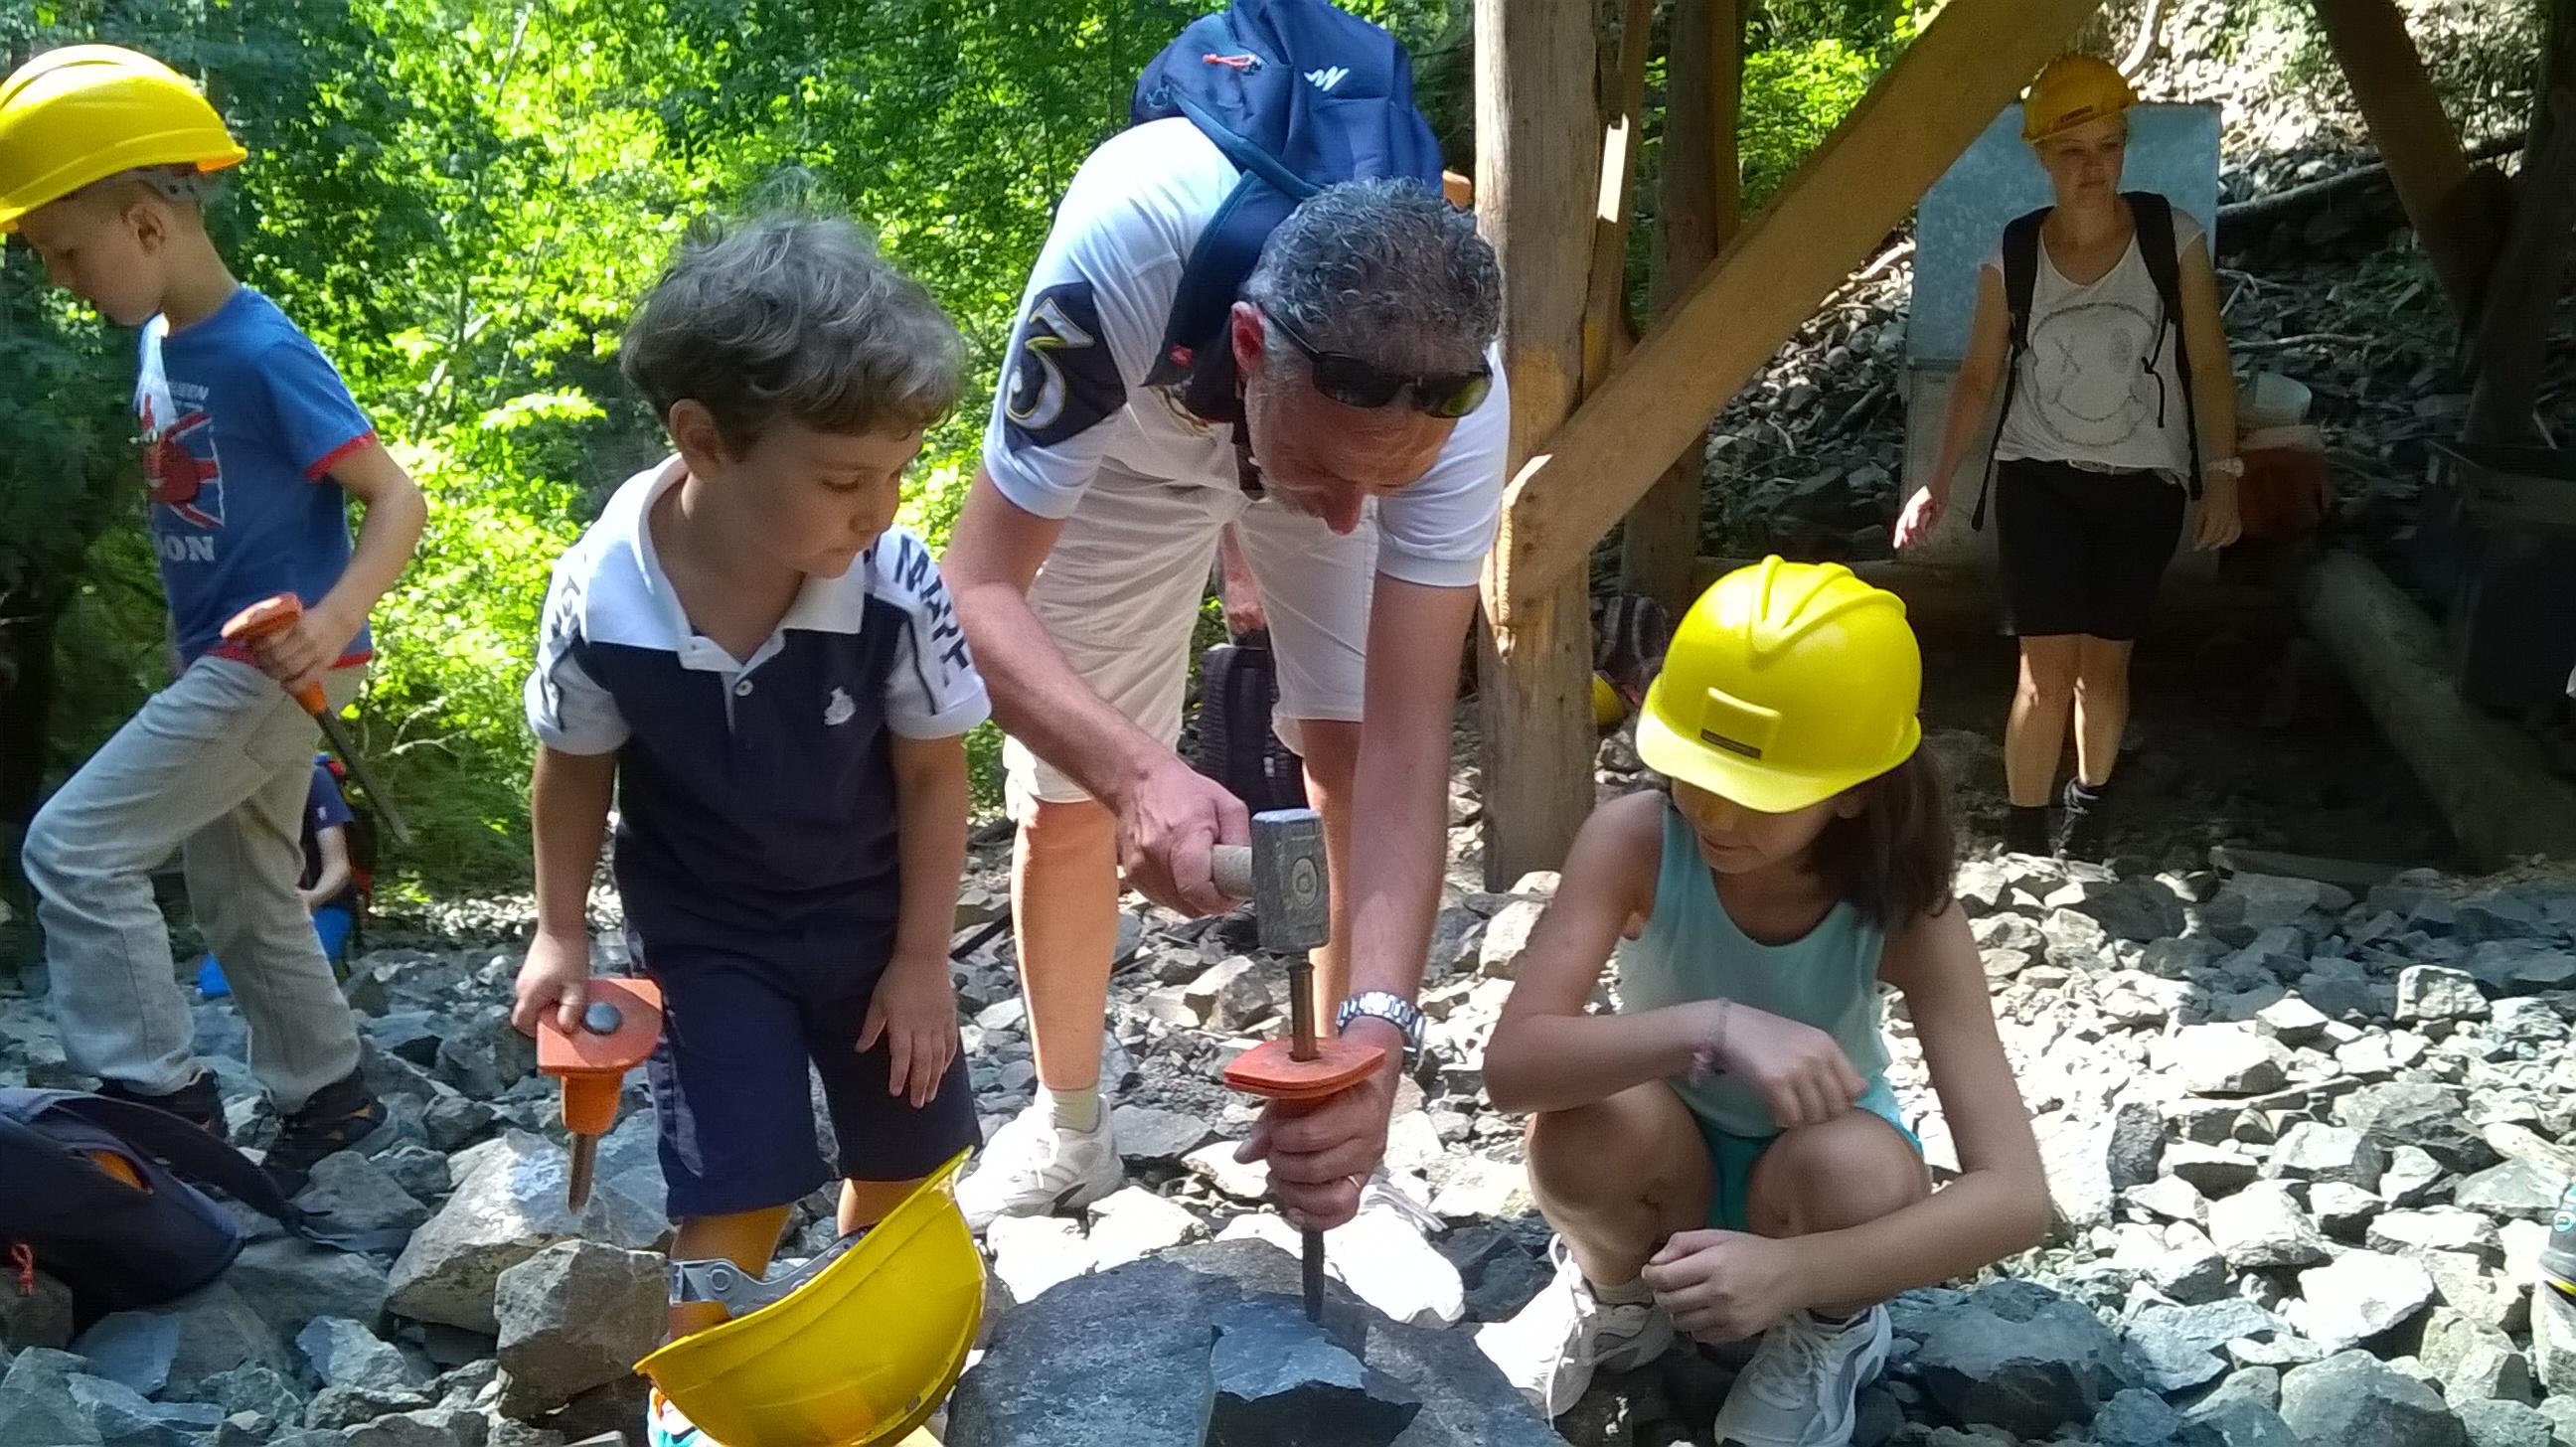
1826,1177
1584,1156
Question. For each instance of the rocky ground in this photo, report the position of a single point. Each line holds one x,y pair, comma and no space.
2298,1137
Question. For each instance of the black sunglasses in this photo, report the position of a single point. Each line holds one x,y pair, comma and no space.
1356,383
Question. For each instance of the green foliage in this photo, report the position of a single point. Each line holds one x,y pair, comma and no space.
1794,96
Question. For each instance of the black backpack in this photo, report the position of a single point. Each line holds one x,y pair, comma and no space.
71,1163
2152,215
1237,746
1298,94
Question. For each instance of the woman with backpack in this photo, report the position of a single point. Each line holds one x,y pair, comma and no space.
2100,316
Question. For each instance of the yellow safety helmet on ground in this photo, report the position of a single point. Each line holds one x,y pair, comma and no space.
2071,90
857,1347
1786,684
81,114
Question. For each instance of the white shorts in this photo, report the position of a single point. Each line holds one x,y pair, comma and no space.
1120,596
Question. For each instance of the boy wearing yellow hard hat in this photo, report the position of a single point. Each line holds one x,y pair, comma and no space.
251,449
1725,1156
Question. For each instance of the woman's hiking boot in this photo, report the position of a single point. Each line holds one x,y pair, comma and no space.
2084,822
195,1102
2026,831
338,1116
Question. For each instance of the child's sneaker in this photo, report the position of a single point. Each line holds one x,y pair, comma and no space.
1033,1167
1800,1388
1552,1347
2558,1257
666,1426
196,1102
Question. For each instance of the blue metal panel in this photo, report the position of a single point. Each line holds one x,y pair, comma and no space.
2172,149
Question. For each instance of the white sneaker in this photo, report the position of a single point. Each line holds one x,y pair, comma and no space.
1032,1167
1799,1389
1550,1350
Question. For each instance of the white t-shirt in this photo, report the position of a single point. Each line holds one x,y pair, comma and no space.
1073,397
2100,386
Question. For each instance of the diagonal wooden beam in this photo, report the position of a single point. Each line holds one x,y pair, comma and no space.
1945,89
2415,139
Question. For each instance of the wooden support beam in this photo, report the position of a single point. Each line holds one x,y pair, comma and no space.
1538,154
2499,793
1938,96
1697,210
2415,139
1606,337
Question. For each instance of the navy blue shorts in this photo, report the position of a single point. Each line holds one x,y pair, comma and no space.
739,1028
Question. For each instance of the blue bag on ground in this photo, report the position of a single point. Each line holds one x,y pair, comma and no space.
66,1156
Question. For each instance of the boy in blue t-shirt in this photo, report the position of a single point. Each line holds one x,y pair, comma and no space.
252,447
768,676
330,886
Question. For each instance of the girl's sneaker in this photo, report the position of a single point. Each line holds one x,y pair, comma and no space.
1802,1386
665,1426
1551,1349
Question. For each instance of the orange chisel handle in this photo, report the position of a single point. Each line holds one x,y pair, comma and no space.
267,618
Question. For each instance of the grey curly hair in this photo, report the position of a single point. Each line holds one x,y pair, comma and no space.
794,316
1384,270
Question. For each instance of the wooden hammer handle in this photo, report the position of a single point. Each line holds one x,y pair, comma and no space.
1230,868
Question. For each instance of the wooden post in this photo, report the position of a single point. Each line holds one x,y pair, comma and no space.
2415,138
1944,90
1538,152
1606,336
2523,288
1700,197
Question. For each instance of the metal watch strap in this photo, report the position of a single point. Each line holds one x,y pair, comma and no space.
1394,1009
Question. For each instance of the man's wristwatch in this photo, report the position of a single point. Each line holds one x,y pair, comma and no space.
1392,1008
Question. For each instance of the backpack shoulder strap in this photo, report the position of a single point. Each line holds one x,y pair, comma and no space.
2021,278
2151,213
201,1158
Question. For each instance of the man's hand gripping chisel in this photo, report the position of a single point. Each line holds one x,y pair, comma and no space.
271,616
618,1029
1282,873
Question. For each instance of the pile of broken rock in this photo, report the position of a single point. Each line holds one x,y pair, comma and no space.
2298,1144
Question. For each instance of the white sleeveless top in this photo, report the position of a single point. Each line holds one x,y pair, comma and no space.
2100,386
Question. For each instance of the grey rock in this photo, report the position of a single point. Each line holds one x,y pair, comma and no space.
125,1418
2473,1360
1134,1223
357,1194
2440,1228
2488,1422
2517,1189
2360,1295
508,1206
2136,1146
2136,909
2073,1150
1500,1275
287,1283
343,1408
2410,1177
1280,1380
254,1389
1149,1136
2259,902
1506,939
1455,936
2341,991
2352,1399
2431,1117
2169,1197
2136,1418
218,1331
2020,1357
1126,1357
38,1317
1033,1254
2309,1151
430,1427
343,1353
2341,1211
483,1057
134,1349
452,1121
2190,1270
38,1408
2222,1060
420,1171
2431,992
2075,941
2262,1229
1232,994
2210,1170
2553,1341
2177,1346
574,1316
2291,1020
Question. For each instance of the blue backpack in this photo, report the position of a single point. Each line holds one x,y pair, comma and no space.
1299,95
71,1163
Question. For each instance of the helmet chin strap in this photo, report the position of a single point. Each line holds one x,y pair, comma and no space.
741,1293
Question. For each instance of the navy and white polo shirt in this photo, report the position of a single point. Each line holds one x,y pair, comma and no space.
756,796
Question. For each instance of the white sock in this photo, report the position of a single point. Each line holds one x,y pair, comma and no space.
1633,1292
1077,1110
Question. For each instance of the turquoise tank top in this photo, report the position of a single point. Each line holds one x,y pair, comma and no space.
1692,950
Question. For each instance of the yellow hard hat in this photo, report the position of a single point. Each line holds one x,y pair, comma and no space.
1608,708
1786,684
2071,90
84,113
861,1348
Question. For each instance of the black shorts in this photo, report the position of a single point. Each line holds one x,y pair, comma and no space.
2080,551
739,1028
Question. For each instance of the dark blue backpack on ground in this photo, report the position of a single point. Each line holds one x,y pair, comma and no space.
1299,95
117,1245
